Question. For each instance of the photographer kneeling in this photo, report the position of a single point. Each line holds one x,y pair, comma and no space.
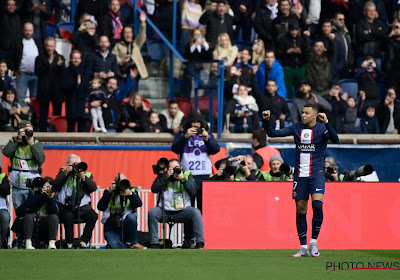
175,189
119,203
74,186
42,208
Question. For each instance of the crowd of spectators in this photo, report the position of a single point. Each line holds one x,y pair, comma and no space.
278,55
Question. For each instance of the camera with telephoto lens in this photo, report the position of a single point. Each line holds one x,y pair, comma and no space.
122,185
177,170
79,166
286,169
161,166
330,171
362,171
28,133
35,183
229,171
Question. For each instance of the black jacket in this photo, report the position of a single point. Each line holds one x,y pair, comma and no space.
4,187
264,27
383,113
338,113
293,60
281,25
49,78
277,105
27,14
216,27
106,27
11,29
15,55
95,63
136,115
84,42
370,44
75,95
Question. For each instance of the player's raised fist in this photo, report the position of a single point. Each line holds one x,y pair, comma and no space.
266,114
323,118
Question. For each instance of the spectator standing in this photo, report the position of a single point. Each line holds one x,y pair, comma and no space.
22,61
368,78
134,114
339,108
225,51
277,105
391,64
263,22
171,119
97,93
102,62
37,12
49,68
85,38
191,13
11,28
369,123
75,81
388,112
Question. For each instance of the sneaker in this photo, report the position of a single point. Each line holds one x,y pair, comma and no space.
302,253
52,244
84,245
200,245
154,246
28,244
314,249
104,130
138,246
70,246
187,245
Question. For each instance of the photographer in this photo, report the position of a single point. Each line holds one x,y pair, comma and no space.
332,171
245,168
226,172
275,174
26,155
176,188
42,208
74,186
194,145
119,203
4,215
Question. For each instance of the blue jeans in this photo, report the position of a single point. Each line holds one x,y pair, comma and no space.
23,83
189,214
113,237
19,196
4,222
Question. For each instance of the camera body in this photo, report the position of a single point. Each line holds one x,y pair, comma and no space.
116,215
286,169
36,183
199,131
122,185
79,166
28,132
68,203
177,170
160,167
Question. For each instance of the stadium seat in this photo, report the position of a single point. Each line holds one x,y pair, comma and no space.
65,29
50,29
242,44
156,50
184,104
350,86
203,103
60,122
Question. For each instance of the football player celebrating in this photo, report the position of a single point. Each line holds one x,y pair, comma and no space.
311,138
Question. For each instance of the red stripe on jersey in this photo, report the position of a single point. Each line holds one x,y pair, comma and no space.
312,132
301,133
310,160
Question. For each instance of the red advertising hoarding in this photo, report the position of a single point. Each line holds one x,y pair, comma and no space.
261,215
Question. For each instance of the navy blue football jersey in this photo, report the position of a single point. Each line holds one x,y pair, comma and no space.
310,146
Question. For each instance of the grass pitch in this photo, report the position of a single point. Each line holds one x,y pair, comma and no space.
192,264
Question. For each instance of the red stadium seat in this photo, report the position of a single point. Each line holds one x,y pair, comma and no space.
60,122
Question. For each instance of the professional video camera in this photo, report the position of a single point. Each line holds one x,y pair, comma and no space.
161,166
36,183
80,166
286,169
362,171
